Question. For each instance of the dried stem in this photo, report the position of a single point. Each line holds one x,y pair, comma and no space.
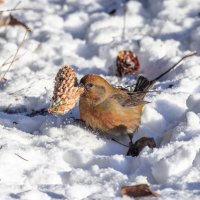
124,21
17,4
184,57
7,62
17,9
12,9
21,157
113,139
14,58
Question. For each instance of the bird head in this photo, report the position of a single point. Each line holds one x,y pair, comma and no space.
96,88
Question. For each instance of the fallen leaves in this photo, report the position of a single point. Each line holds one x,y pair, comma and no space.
137,147
13,21
142,190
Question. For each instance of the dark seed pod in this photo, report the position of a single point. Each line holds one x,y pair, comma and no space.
127,63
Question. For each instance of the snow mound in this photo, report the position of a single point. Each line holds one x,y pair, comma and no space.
46,156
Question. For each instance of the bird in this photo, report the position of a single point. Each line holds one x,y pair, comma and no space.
113,110
109,109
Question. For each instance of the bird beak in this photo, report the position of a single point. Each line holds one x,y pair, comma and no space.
80,85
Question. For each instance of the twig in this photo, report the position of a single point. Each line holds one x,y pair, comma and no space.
19,2
119,142
21,44
17,9
14,8
5,62
184,57
21,157
8,107
16,59
124,21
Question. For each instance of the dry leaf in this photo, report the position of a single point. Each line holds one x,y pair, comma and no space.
66,91
12,21
15,22
127,63
141,190
137,147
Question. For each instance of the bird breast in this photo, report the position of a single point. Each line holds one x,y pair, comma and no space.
110,117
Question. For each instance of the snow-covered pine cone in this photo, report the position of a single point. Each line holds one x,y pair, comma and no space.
66,91
127,63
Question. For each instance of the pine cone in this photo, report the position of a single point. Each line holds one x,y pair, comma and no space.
66,91
127,63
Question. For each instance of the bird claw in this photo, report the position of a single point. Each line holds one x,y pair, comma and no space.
136,148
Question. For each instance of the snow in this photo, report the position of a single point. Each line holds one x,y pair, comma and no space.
50,157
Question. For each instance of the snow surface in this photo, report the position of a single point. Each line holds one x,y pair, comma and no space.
66,161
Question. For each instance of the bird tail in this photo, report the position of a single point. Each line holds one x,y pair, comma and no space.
184,57
143,84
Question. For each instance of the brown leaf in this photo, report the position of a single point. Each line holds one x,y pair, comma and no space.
13,21
137,147
141,190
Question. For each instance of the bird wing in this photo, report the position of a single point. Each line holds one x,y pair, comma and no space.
136,97
128,100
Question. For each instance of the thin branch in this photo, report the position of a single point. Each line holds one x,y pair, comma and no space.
6,61
21,157
18,9
12,9
17,4
21,44
184,57
19,57
124,21
119,142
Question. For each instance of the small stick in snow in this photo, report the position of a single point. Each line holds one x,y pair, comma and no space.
14,8
119,142
124,21
13,60
9,10
21,157
7,62
194,53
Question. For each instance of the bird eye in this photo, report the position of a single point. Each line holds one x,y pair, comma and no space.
89,86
